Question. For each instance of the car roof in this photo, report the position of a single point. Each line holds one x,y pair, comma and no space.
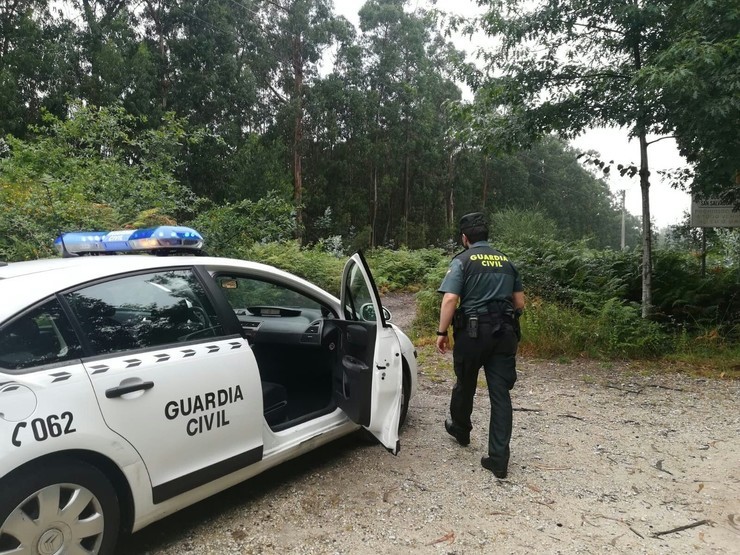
25,283
85,268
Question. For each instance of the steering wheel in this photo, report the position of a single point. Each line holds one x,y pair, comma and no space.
199,317
329,334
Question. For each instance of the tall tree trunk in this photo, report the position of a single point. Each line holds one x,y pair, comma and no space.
647,239
374,230
406,170
156,14
164,82
386,235
8,13
298,136
485,181
406,197
451,197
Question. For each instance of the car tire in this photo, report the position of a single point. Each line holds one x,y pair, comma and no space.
73,506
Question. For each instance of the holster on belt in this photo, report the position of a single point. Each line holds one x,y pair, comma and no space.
458,320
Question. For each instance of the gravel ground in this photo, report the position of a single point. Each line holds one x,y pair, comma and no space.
604,459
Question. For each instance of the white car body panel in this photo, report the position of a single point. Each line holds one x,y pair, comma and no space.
298,444
201,424
65,393
386,392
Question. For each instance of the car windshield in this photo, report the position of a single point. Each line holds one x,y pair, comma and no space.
245,292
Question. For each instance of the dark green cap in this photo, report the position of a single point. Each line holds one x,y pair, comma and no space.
472,220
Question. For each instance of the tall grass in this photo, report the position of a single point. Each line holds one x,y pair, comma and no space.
615,331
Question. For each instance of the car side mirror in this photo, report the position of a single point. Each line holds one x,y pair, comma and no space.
367,313
228,283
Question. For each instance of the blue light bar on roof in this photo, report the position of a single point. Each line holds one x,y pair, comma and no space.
117,241
162,238
165,236
80,242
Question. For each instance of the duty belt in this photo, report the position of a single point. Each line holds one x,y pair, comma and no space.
498,312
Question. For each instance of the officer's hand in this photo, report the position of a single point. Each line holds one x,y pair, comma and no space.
443,343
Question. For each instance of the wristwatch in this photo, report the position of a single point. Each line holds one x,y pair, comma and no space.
442,333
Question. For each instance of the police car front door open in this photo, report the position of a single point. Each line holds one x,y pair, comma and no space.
368,368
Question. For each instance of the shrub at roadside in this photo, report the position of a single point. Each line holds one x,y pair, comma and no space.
231,229
311,264
403,268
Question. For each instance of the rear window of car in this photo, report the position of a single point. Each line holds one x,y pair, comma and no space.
41,336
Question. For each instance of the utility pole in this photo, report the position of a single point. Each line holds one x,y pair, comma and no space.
623,193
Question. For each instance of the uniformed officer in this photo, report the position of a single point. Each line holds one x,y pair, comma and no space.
486,331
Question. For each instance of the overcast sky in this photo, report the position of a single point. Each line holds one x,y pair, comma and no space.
667,205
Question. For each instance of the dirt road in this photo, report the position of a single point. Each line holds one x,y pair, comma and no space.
604,460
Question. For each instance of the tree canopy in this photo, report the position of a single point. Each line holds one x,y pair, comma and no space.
696,78
190,109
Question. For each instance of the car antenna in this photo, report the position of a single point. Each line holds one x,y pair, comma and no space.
65,252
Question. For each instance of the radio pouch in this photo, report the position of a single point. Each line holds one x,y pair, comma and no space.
473,327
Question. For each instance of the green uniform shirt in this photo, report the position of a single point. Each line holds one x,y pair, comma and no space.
481,275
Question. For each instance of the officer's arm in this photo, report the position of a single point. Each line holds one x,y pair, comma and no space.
447,310
518,297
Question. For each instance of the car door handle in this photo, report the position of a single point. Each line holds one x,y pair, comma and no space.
114,392
354,365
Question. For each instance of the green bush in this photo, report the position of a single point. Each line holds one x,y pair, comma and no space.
313,264
428,299
231,229
572,274
403,268
521,228
551,330
427,313
619,330
96,170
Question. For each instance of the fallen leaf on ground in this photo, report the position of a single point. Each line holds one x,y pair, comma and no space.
448,537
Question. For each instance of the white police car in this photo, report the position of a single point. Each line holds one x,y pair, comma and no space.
132,386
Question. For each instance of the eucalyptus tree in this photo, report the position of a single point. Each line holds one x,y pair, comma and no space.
578,202
408,78
547,178
210,70
160,27
37,63
341,110
108,44
567,65
297,33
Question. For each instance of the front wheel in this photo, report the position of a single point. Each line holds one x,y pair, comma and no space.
58,507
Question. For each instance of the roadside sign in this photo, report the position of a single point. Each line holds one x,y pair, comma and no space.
713,212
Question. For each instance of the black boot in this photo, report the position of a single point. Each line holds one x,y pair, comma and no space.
488,464
463,438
